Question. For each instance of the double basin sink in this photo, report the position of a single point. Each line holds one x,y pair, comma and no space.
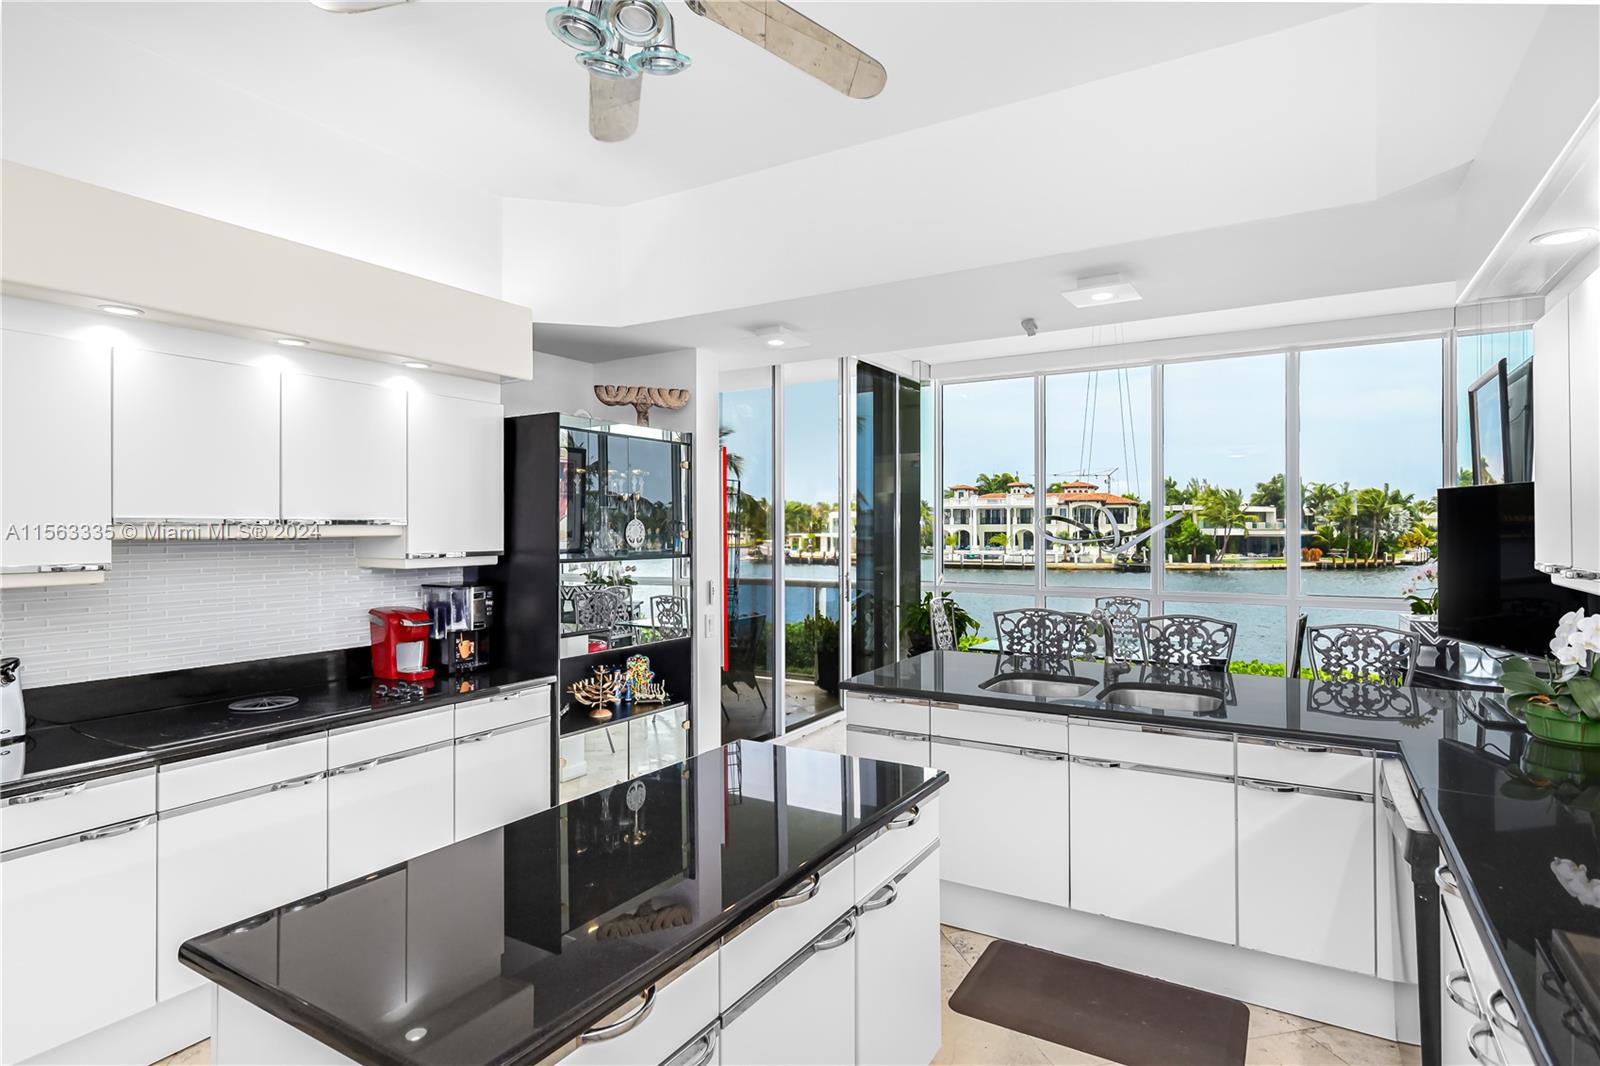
1149,697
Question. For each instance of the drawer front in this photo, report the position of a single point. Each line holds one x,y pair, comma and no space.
390,812
886,712
765,943
181,784
76,808
1305,763
895,847
1499,1016
1043,732
363,742
910,749
497,712
653,1028
1163,746
501,776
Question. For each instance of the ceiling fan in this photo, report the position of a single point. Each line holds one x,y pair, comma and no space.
619,40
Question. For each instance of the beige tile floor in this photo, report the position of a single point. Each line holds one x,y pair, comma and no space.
1276,1039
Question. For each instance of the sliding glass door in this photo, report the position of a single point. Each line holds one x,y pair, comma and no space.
749,624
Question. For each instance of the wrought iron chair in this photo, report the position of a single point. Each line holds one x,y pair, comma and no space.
1120,617
1362,653
1043,633
1187,640
939,623
670,614
598,606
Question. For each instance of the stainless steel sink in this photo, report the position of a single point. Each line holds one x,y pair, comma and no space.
1044,686
1160,698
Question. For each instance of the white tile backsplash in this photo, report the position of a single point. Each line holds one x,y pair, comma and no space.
173,606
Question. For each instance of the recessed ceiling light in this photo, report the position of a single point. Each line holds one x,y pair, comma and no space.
292,342
1564,236
416,1034
1101,291
781,337
121,309
412,364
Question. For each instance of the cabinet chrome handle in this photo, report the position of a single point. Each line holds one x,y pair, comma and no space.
1267,786
1290,745
1446,881
844,937
627,1024
884,897
299,782
1548,568
1104,764
55,793
357,768
117,830
708,1044
1502,1014
1467,1002
476,738
1047,756
1485,1055
907,819
807,891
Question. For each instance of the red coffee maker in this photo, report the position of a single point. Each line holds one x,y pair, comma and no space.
400,643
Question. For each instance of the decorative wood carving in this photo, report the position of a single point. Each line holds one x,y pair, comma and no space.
641,398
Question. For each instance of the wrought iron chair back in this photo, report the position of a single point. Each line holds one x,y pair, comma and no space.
670,614
1187,640
939,623
1367,653
598,606
1044,633
1120,617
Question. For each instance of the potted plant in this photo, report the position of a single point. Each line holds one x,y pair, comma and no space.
826,634
1562,706
918,625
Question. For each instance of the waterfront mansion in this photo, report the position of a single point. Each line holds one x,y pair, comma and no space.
1004,521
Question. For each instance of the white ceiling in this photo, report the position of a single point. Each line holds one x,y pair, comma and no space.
481,93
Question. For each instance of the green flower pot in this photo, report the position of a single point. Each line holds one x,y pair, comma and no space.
1549,723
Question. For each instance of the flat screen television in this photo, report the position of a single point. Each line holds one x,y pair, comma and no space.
1489,592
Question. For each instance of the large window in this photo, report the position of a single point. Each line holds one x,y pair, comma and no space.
1476,355
1223,449
989,463
1098,471
748,661
1370,433
810,540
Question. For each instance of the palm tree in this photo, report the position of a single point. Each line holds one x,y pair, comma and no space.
1224,508
1342,512
1382,508
1317,498
735,461
995,482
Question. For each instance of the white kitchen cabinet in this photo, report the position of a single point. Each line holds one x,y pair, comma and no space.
1004,819
897,968
1306,876
341,451
80,935
455,483
672,1015
1552,440
233,857
389,809
1566,438
1154,846
885,745
501,775
805,1012
193,439
55,454
1583,329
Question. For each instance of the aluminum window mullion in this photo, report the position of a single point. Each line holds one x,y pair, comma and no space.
1158,488
1293,515
1041,479
937,503
777,531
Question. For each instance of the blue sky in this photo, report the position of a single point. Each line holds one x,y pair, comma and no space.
1369,415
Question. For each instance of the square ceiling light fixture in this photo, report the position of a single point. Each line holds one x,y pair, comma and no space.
1101,291
781,337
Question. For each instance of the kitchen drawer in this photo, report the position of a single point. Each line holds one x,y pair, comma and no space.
504,709
766,941
1151,745
1494,1007
1297,762
884,745
652,1026
886,712
76,808
1011,729
210,776
896,846
362,743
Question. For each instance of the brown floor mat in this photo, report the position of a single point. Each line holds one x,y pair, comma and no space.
1114,1014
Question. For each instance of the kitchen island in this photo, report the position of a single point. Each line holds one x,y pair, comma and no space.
1268,839
757,901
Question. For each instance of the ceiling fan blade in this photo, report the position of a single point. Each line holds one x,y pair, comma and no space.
800,42
613,107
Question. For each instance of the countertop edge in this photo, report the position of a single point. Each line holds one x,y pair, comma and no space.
294,1012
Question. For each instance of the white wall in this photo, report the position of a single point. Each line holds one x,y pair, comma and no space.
77,102
564,385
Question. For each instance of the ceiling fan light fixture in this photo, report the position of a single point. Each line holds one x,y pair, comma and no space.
608,62
1102,291
662,58
579,25
639,21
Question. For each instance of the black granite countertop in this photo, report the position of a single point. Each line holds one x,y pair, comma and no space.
1516,818
503,947
96,729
